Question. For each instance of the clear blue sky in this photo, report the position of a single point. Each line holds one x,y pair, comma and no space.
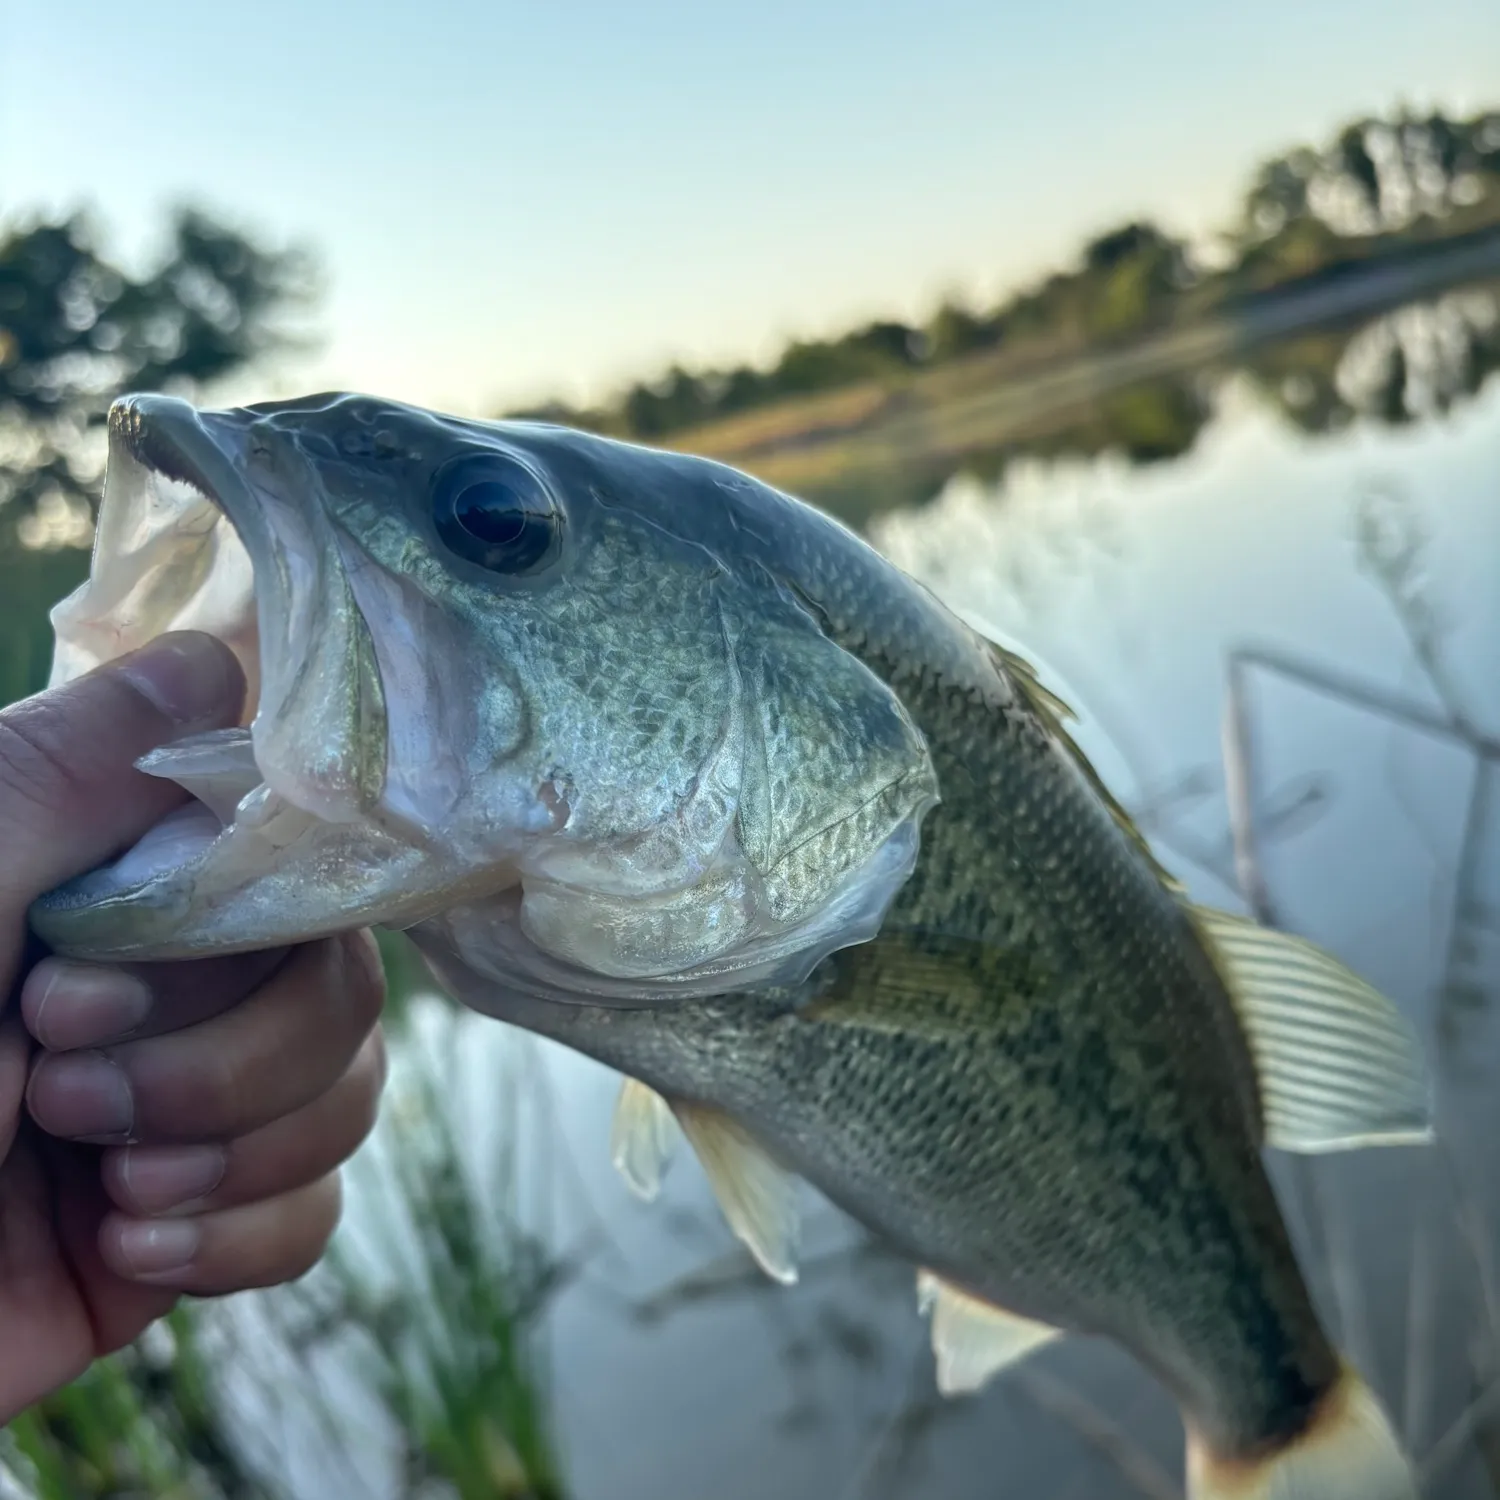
519,200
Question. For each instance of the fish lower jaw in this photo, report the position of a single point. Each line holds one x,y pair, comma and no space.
207,855
240,867
183,845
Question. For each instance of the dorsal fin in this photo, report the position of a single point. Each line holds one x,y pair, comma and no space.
1337,1063
973,1339
1055,715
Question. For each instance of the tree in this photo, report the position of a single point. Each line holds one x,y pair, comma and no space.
1377,176
879,348
1131,242
955,331
1278,194
1129,275
1309,210
76,329
676,400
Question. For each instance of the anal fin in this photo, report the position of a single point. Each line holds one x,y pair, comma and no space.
973,1339
758,1195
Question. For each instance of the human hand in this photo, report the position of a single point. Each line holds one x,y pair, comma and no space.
164,1128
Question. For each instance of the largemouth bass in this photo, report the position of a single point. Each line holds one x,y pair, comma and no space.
660,763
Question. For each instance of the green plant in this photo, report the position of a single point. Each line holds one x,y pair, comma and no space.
143,1422
451,1294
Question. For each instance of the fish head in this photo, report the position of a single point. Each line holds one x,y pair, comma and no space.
547,694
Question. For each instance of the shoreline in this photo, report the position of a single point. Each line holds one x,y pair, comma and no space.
825,446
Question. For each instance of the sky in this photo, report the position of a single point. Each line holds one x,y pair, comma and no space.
512,202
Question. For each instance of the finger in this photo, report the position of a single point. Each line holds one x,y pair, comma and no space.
69,794
231,1250
68,1005
291,1152
115,1310
14,1050
270,1055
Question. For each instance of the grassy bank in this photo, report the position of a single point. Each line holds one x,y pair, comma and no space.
864,447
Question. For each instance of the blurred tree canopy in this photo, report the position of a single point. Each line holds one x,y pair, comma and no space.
77,329
1379,185
1377,176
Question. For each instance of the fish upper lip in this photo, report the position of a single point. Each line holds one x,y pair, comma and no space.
167,436
291,566
333,770
148,441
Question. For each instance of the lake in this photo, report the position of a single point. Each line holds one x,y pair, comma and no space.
1132,588
1355,576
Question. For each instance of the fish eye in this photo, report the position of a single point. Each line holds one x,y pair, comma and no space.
498,512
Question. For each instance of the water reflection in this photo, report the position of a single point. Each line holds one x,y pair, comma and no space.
1322,371
1418,361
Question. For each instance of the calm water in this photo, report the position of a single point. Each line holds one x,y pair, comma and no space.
677,1373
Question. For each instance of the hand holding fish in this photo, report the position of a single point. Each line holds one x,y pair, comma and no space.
224,1094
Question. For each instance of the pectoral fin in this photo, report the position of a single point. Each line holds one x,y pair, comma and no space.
972,1339
1338,1065
641,1142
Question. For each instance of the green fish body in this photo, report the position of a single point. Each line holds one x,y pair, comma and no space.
659,763
1032,1082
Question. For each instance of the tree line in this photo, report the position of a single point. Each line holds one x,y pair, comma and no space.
77,326
1378,184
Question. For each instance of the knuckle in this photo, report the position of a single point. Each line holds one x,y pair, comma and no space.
368,1085
35,770
382,1061
294,1263
364,975
334,1203
201,1096
350,1110
271,1242
346,979
324,1210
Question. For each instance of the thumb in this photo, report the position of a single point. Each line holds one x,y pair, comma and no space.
70,797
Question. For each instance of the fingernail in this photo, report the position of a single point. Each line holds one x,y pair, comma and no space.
86,1004
161,1248
189,677
81,1096
157,1178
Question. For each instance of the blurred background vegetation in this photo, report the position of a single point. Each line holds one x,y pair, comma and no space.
1112,350
1122,352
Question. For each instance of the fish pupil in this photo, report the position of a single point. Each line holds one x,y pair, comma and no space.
496,513
492,512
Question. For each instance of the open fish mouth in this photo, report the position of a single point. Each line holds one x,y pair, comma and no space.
211,523
442,710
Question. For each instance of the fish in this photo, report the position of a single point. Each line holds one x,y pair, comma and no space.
667,766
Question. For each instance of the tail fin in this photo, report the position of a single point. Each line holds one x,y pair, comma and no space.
1349,1452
